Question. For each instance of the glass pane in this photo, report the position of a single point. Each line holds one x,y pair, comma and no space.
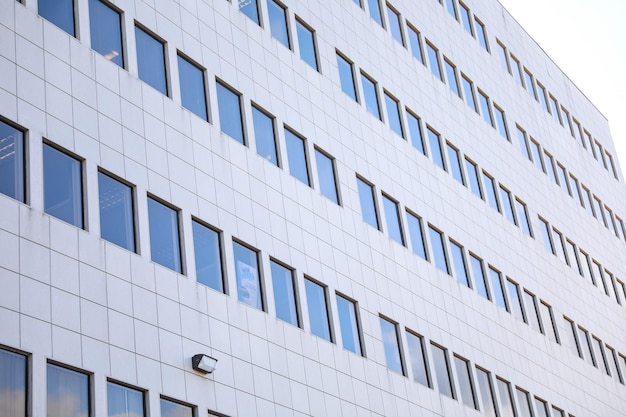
451,8
374,8
62,183
453,82
348,324
465,382
172,409
278,22
415,346
504,57
414,42
229,106
555,110
536,151
501,123
563,178
284,293
517,71
250,8
523,402
601,356
571,339
523,144
486,393
439,253
442,371
541,407
414,224
614,364
530,87
192,89
264,135
472,175
478,271
481,35
506,402
468,91
455,164
433,61
306,44
498,291
515,300
392,346
484,108
545,232
394,25
392,217
415,130
68,392
460,269
549,160
248,278
585,342
435,149
507,205
116,212
164,238
393,114
559,245
346,77
490,191
11,162
371,96
106,31
532,315
59,12
206,242
296,154
466,19
326,176
522,217
368,205
124,402
542,97
151,60
318,310
12,384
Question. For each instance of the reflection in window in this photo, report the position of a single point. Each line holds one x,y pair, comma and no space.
501,122
349,324
58,12
393,114
306,44
368,203
466,18
530,85
192,88
465,382
554,108
507,204
523,143
264,135
13,388
326,176
251,9
318,309
451,9
151,60
370,93
557,412
392,216
417,353
229,106
468,92
416,235
514,300
68,392
478,272
375,12
124,401
517,70
542,407
532,310
549,163
391,345
486,393
547,239
484,107
105,24
523,403
117,223
453,81
472,176
498,290
433,60
506,399
296,155
395,24
439,251
571,337
490,191
585,343
164,237
460,267
249,290
504,57
346,77
415,43
455,163
277,15
415,131
548,322
442,370
481,35
12,162
63,186
284,293
206,243
172,409
542,96
435,148
522,217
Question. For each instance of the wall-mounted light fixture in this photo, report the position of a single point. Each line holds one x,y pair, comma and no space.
203,363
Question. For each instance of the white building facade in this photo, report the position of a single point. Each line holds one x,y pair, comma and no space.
357,208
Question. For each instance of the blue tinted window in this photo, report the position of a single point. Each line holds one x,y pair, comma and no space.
63,185
416,235
296,154
490,191
172,409
522,217
451,8
346,77
284,293
439,251
306,43
164,237
206,244
264,135
67,393
11,162
453,81
542,97
433,61
13,392
498,291
554,108
468,92
415,43
523,144
481,35
124,401
515,300
442,370
478,272
375,13
507,205
455,164
59,12
415,347
278,22
106,31
318,309
229,105
326,176
415,131
117,223
192,88
563,178
393,114
530,86
435,148
484,107
151,60
501,123
465,382
371,96
460,268
486,393
472,176
391,344
547,239
251,9
368,204
248,277
393,220
506,399
549,163
348,321
466,18
395,25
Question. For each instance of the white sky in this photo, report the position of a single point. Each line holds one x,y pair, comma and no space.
587,40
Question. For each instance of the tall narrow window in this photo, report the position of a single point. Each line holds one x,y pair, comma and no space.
586,261
468,93
151,60
506,398
317,302
370,93
501,122
571,339
265,135
522,217
614,364
192,87
559,245
171,408
523,403
58,12
541,92
349,325
249,289
486,392
284,293
164,235
415,43
560,169
451,7
439,250
346,76
453,81
504,56
415,131
523,143
435,148
393,114
67,393
417,353
498,289
598,210
557,412
490,191
392,216
587,199
542,408
472,176
375,12
485,109
548,322
63,186
515,301
391,344
532,310
442,370
572,254
466,383
547,238
478,273
13,385
600,275
229,106
585,342
297,156
530,85
326,175
207,247
516,68
395,24
567,121
105,24
507,204
554,109
117,223
307,44
414,224
12,170
601,355
251,9
277,14
549,164
481,34
433,60
466,18
575,188
460,266
454,161
124,401
368,203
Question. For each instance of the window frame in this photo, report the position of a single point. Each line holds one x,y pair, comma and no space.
372,188
260,278
179,235
329,318
357,323
222,117
133,209
90,399
22,150
305,156
205,115
166,75
302,26
294,290
333,166
355,91
220,247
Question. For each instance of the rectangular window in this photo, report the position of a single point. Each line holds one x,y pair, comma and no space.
478,273
307,44
523,402
522,217
251,9
208,249
575,189
504,56
63,186
265,134
415,131
501,122
442,370
284,293
392,217
375,12
560,170
599,274
571,337
572,254
490,191
67,392
438,248
106,31
549,164
277,14
612,287
124,401
12,166
192,87
317,302
481,34
554,108
452,78
433,60
13,384
297,156
171,408
151,60
598,210
542,407
472,176
547,320
346,76
231,118
395,24
506,398
485,388
567,121
612,165
530,85
498,289
58,12
507,204
585,342
435,148
466,383
557,412
587,199
586,261
370,93
597,149
468,92
164,235
466,18
587,140
614,364
415,43
541,92
414,224
368,202
523,143
535,149
460,266
393,114
532,311
249,288
559,244
417,353
485,109
326,175
391,344
610,219
349,325
117,215
547,238
516,68
454,161
515,301
601,355
451,7
578,131
621,226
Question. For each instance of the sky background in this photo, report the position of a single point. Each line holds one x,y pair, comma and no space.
587,40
